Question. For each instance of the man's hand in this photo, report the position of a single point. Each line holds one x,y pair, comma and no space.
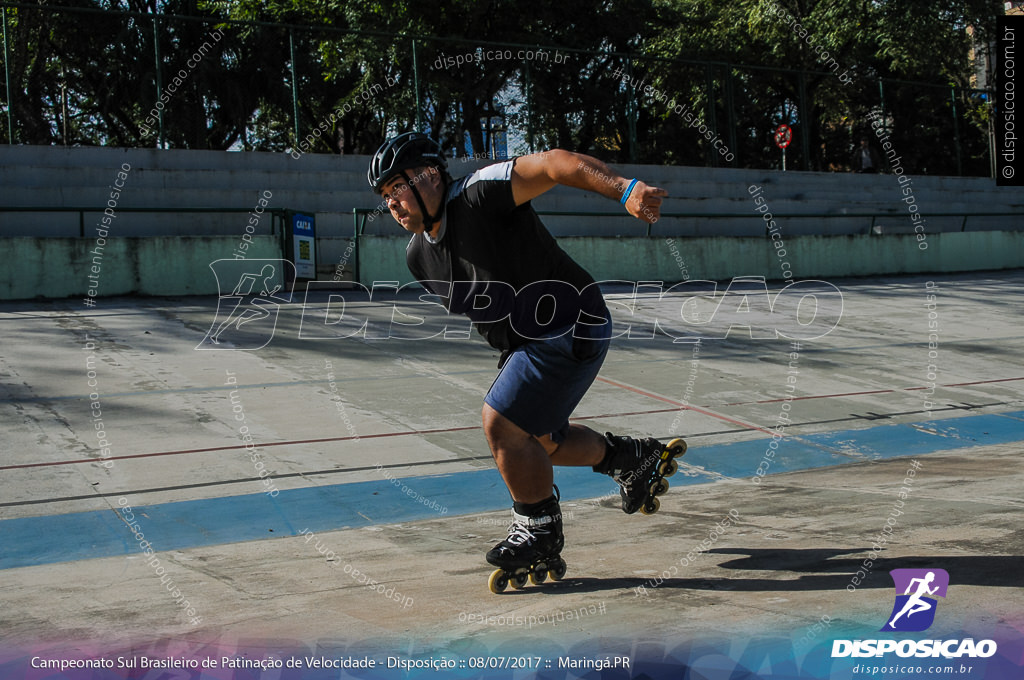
644,202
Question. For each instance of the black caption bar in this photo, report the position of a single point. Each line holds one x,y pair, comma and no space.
1008,125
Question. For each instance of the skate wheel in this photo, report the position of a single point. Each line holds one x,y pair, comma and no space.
651,506
498,581
539,575
557,572
678,446
659,488
668,468
519,579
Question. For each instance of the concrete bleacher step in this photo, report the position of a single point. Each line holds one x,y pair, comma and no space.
330,186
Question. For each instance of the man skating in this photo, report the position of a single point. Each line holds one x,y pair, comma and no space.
479,245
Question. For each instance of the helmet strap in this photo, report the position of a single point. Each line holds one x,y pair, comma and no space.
428,220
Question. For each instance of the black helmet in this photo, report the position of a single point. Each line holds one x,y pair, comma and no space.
408,150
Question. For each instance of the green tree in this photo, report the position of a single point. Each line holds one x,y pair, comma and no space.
889,39
737,69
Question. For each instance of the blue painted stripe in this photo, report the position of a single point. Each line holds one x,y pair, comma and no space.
741,459
889,441
33,541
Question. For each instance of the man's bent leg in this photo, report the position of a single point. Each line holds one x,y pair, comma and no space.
522,461
581,447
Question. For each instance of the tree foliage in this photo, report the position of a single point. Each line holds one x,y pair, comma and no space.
644,80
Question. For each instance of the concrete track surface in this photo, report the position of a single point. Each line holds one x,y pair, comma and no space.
324,500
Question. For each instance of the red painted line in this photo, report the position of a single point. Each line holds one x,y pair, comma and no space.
630,413
637,390
858,394
303,441
687,407
238,446
811,396
981,382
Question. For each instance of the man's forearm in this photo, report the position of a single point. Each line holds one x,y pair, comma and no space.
588,173
534,174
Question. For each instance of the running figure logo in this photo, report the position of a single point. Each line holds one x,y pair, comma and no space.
914,609
247,315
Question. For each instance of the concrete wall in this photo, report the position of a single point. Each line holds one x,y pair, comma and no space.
331,186
60,267
159,265
169,253
382,258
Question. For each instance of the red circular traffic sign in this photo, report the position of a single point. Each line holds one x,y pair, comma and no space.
783,136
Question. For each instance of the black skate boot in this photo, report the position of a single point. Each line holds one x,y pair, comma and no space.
640,467
531,551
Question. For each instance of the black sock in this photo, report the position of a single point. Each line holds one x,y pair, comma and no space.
531,509
605,465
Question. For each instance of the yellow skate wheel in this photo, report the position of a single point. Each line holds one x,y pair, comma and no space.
668,468
539,575
651,506
498,581
557,572
679,444
519,579
659,488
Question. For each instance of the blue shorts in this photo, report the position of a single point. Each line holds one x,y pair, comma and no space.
543,381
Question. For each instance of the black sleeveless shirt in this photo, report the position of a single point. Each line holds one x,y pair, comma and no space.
497,263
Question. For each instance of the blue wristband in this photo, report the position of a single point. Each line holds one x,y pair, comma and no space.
625,194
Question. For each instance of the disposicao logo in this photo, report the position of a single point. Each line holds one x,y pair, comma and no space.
914,611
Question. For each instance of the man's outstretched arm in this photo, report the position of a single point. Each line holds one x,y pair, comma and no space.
539,172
